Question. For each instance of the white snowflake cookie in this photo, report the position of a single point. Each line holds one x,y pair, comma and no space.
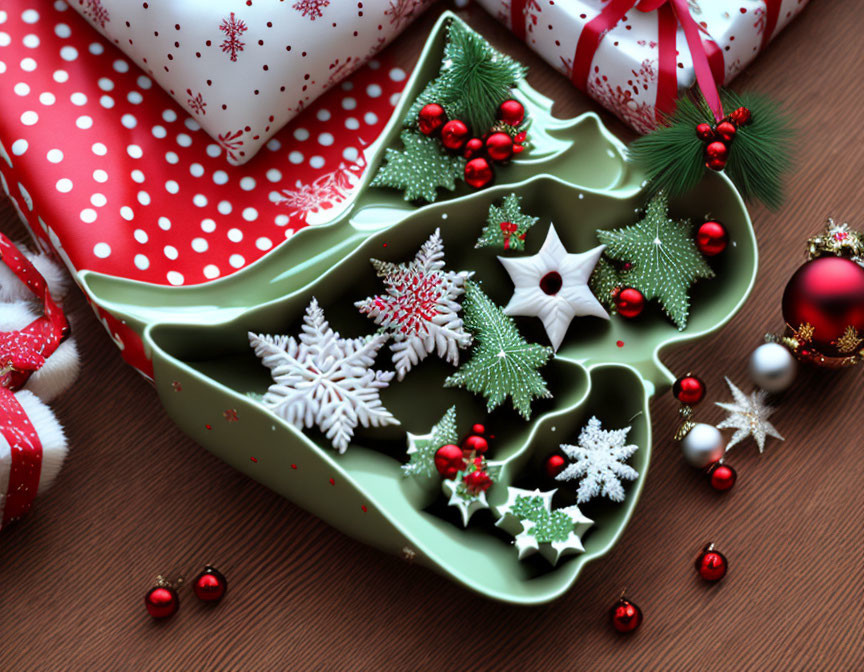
324,380
599,462
553,285
420,310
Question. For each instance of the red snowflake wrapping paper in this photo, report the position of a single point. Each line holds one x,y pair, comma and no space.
112,174
244,69
624,73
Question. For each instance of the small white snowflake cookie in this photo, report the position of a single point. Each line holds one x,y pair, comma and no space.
420,310
553,285
537,528
323,379
599,462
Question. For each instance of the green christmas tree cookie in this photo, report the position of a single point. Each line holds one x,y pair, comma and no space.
422,447
420,169
506,226
663,256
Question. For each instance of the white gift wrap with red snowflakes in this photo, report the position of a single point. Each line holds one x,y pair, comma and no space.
623,74
243,69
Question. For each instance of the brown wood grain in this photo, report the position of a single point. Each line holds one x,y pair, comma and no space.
137,498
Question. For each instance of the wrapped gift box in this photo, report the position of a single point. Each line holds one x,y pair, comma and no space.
625,72
244,69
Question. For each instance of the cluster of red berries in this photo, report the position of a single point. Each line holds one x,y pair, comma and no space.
469,458
497,146
718,139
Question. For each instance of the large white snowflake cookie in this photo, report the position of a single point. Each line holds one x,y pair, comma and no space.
553,285
321,379
420,310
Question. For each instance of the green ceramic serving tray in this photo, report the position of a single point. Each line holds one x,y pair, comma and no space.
574,175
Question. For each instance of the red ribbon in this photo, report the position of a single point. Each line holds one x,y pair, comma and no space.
26,454
24,351
772,13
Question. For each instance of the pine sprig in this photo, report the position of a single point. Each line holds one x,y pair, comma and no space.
506,226
420,168
760,153
503,363
604,281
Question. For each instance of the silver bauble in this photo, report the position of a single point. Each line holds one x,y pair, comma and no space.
772,367
703,445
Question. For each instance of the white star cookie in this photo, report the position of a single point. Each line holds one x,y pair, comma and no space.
553,285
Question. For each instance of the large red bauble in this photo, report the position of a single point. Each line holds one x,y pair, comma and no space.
625,616
499,147
478,173
431,118
210,585
161,602
711,564
449,460
475,444
711,238
454,134
511,112
629,303
827,293
689,390
554,465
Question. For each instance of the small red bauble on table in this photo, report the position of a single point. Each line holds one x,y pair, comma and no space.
478,173
454,135
629,302
711,238
722,477
161,601
449,460
711,564
431,119
499,147
511,112
689,390
210,585
625,616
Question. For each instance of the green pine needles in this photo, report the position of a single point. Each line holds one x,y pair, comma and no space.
664,258
503,363
422,448
506,226
673,156
420,169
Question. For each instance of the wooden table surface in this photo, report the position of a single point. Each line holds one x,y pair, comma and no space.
137,498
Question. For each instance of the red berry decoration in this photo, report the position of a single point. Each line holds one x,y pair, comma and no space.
475,444
711,238
210,585
161,601
431,118
449,460
625,616
629,303
726,130
741,116
478,173
716,154
722,477
828,294
473,148
454,135
478,429
499,147
477,481
554,465
704,132
511,112
689,390
711,564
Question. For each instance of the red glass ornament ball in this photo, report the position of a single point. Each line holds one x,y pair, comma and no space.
431,118
726,130
161,601
478,429
625,616
473,148
554,465
704,132
711,564
827,293
716,164
689,390
717,150
722,477
478,173
741,116
629,303
499,146
210,585
454,134
449,460
475,444
511,112
711,238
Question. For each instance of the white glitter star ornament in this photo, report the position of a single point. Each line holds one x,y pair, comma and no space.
553,285
748,416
